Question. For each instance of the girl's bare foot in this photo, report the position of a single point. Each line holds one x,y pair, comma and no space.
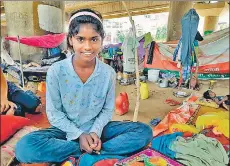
38,109
10,112
226,106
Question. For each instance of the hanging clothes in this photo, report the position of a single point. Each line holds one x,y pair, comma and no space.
189,23
151,52
199,37
45,41
110,51
129,47
186,72
177,52
148,39
194,53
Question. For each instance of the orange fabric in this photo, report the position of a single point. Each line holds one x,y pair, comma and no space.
108,162
42,87
163,62
215,68
187,134
160,61
179,115
193,98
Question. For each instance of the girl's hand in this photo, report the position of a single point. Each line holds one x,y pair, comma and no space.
96,142
7,105
85,141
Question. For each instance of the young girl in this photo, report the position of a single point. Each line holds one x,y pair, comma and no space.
223,101
80,102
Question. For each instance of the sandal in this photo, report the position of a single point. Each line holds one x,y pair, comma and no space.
172,102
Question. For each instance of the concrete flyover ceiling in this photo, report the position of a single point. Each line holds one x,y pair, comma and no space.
115,9
210,9
110,9
71,6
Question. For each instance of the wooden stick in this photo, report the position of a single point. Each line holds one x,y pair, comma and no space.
197,66
10,161
136,66
195,73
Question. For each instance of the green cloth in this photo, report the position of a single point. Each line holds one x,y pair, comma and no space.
207,32
199,151
148,39
106,55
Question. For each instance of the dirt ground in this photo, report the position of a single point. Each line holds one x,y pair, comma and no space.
154,106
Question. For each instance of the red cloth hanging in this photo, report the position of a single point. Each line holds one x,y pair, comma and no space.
46,41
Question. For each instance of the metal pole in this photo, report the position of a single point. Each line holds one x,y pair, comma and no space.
20,58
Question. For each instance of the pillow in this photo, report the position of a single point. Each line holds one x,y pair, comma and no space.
11,124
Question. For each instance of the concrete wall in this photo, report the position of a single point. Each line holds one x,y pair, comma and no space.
25,22
19,22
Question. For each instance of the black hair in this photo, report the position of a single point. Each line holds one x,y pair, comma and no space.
74,25
206,95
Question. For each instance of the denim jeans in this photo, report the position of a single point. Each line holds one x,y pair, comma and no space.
26,101
50,145
189,23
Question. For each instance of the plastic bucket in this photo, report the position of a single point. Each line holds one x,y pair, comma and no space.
153,75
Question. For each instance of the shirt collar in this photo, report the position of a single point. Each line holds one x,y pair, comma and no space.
97,68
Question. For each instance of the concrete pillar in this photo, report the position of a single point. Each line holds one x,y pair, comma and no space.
3,31
210,24
177,9
23,19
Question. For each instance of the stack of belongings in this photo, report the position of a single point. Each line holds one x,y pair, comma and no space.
113,54
206,143
194,150
53,55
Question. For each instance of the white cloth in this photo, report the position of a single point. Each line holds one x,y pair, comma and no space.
129,47
5,56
